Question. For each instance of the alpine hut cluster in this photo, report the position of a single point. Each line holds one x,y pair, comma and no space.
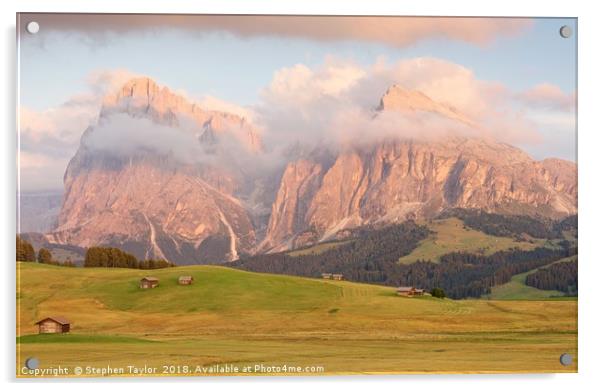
153,282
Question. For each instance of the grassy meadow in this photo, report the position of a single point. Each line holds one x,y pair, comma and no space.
516,289
235,317
450,235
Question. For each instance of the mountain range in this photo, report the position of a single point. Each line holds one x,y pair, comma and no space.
209,199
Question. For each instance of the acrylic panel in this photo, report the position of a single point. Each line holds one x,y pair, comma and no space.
248,195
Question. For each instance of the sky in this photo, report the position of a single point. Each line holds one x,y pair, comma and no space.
515,76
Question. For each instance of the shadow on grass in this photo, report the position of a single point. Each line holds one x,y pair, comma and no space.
79,338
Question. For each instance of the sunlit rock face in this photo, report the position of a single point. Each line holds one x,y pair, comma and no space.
201,202
396,181
158,204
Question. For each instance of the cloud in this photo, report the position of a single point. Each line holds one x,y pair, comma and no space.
124,135
50,137
39,171
102,82
334,104
212,103
30,160
393,31
66,122
548,96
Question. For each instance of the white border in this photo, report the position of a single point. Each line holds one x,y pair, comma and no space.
590,197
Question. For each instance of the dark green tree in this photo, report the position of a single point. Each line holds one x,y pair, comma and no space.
114,257
25,251
438,292
44,256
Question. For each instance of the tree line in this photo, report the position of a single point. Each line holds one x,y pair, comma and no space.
560,276
95,257
114,257
26,253
359,260
464,275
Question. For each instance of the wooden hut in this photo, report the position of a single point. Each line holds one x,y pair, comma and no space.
53,325
185,280
327,276
409,291
337,277
149,282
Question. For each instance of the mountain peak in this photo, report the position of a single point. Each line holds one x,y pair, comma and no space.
142,97
396,95
139,86
403,100
144,92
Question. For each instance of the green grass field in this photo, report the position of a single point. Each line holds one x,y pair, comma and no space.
516,289
450,235
247,319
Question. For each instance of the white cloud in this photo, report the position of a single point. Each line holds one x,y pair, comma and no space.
332,104
63,123
124,135
212,103
335,102
50,137
38,171
548,96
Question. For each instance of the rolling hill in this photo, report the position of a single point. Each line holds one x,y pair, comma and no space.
235,317
444,253
449,235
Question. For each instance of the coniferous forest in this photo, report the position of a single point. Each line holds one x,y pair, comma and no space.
114,257
373,258
561,276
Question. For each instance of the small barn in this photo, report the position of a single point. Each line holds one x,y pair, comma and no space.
337,277
327,276
53,325
409,291
149,282
185,280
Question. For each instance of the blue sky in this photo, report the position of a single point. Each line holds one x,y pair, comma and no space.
56,64
234,69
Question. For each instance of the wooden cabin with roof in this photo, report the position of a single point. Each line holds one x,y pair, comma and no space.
409,291
149,282
185,280
53,325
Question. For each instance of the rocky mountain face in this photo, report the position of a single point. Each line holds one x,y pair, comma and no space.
155,205
158,206
401,100
401,180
